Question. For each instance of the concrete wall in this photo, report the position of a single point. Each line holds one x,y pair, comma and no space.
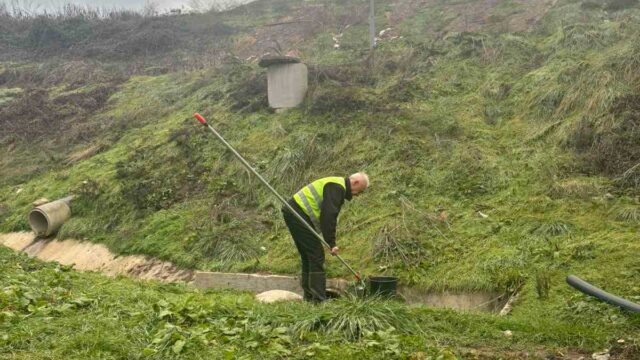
255,282
287,85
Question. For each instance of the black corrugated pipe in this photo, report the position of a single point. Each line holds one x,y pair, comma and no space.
600,294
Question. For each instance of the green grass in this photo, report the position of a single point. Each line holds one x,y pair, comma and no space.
453,148
498,160
44,311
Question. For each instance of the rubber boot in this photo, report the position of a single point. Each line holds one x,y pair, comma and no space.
318,286
304,284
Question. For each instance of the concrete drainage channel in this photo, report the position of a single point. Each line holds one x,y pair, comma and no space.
477,301
87,256
47,217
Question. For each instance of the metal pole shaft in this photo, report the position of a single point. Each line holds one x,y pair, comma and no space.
372,25
295,213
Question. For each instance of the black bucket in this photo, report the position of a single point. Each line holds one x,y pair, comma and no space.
383,286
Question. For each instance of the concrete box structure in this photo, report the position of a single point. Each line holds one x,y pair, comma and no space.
287,85
287,81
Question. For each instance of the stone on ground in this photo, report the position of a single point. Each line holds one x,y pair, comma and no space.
601,355
272,296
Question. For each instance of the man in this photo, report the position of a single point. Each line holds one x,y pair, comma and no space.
319,204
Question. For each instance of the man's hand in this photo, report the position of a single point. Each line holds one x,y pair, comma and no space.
334,250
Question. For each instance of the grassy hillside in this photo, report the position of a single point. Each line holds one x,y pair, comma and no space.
501,139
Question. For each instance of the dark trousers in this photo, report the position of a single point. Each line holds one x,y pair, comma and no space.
312,279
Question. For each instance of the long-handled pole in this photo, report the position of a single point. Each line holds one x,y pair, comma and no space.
372,25
244,162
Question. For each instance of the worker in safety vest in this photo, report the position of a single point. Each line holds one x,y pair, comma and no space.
319,204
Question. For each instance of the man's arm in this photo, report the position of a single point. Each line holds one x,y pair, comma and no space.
332,200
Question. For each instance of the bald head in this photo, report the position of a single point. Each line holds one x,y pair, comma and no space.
359,183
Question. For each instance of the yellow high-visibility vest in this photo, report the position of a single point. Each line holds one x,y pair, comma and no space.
309,198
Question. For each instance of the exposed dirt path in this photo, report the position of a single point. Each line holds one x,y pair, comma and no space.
87,256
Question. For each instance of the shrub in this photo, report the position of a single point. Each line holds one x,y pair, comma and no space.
250,95
405,90
145,185
627,213
46,117
471,174
554,228
352,317
591,5
75,31
495,114
222,233
396,243
44,35
615,5
302,152
153,36
506,271
4,211
89,189
330,99
575,188
543,284
613,149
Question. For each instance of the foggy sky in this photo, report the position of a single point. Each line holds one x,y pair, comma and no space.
42,5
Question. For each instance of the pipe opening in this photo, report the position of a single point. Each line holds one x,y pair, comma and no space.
38,221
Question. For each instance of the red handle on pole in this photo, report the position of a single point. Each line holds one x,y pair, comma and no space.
200,118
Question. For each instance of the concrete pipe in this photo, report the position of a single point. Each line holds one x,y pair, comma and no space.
46,219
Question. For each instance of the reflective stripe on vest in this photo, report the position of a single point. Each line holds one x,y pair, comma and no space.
310,197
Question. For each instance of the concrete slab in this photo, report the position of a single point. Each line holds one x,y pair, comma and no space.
287,85
255,282
270,60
